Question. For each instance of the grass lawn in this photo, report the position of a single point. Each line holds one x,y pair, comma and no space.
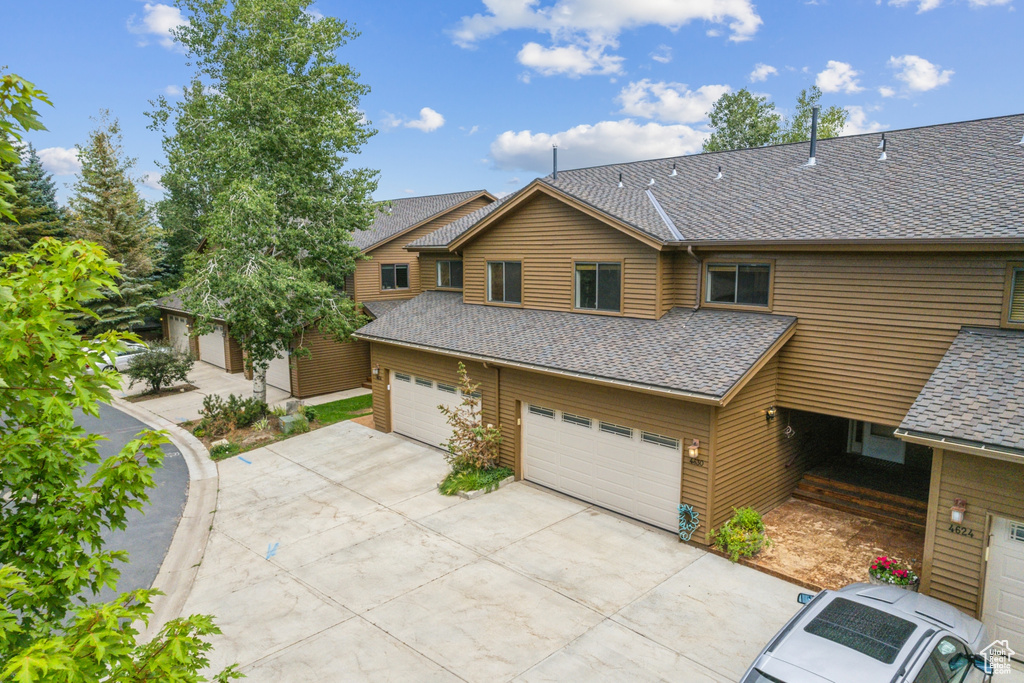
345,409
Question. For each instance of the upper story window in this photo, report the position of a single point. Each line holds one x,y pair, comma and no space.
394,276
738,283
1015,312
599,286
505,282
449,274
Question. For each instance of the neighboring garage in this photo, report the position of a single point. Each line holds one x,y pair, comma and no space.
414,402
279,373
634,472
177,332
211,347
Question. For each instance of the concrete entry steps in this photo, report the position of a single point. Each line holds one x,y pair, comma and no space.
899,511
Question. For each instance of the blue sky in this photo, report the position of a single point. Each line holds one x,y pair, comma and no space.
471,94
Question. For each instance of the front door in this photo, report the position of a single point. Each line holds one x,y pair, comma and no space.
876,441
1003,609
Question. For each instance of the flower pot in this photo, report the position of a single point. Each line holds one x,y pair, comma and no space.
878,582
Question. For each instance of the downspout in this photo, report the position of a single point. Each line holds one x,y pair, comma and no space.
700,268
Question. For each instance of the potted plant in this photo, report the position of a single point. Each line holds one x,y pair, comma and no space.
885,571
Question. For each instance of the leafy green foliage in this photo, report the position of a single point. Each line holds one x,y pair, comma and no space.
310,412
743,535
221,415
160,367
34,209
60,495
345,409
17,116
740,120
106,209
256,151
472,446
224,451
472,479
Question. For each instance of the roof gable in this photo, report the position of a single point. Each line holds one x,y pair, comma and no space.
406,214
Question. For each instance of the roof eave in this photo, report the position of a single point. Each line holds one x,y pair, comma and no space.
945,244
962,445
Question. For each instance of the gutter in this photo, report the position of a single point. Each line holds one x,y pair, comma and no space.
971,447
694,397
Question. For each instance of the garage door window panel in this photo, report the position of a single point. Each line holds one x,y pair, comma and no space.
576,420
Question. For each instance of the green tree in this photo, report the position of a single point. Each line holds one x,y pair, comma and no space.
35,211
106,209
797,128
60,495
17,116
256,151
740,120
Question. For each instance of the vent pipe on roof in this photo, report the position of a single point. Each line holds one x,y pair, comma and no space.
554,162
719,176
652,182
881,146
814,136
673,173
1021,140
620,179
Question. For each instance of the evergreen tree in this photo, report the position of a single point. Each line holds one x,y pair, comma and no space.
35,211
106,209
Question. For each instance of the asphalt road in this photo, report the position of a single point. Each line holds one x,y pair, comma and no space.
150,530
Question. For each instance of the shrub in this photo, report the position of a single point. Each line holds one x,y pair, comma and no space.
889,570
743,535
261,425
160,367
220,415
310,413
472,445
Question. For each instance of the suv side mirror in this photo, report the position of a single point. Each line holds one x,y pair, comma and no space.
804,598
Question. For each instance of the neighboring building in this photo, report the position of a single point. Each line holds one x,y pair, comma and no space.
389,274
718,330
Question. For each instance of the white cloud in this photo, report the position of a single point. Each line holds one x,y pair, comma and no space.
886,91
151,179
571,60
473,130
858,123
922,5
662,55
761,72
158,20
172,90
988,3
60,160
591,145
669,102
918,73
838,77
428,121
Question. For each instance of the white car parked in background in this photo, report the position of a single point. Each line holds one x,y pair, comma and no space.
124,357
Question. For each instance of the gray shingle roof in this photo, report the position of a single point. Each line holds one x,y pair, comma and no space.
956,181
405,213
976,393
379,308
703,353
442,236
171,301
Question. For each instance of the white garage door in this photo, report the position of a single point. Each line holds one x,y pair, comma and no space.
211,347
1004,584
177,329
279,373
414,402
627,470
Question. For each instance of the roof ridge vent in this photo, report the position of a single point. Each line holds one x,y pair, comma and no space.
881,146
674,174
719,176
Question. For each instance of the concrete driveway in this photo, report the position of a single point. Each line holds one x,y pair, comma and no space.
333,558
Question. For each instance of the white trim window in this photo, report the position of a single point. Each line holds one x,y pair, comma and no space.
746,284
599,286
1016,314
394,276
449,274
505,282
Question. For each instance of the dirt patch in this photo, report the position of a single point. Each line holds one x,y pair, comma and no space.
171,391
366,420
831,548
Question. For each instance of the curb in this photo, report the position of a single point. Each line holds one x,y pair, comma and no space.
181,564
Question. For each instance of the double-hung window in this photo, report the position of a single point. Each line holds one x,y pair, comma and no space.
449,274
505,282
599,286
394,276
745,284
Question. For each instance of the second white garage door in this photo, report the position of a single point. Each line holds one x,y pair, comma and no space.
414,412
211,347
627,470
177,329
279,373
1004,584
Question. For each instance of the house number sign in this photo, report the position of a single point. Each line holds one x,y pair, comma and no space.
961,530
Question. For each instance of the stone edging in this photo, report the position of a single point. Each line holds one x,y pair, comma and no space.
181,564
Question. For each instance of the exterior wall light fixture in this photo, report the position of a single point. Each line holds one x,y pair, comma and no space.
376,370
770,414
693,450
956,513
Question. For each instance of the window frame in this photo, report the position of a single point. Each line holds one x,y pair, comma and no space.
576,289
395,266
705,303
437,274
1014,269
487,275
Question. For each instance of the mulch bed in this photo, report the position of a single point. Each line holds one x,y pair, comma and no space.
248,438
170,391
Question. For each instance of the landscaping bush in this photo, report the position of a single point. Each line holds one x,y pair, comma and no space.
160,367
310,413
220,415
472,445
888,570
473,479
743,535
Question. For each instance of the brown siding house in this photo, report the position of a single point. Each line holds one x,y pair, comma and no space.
655,335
